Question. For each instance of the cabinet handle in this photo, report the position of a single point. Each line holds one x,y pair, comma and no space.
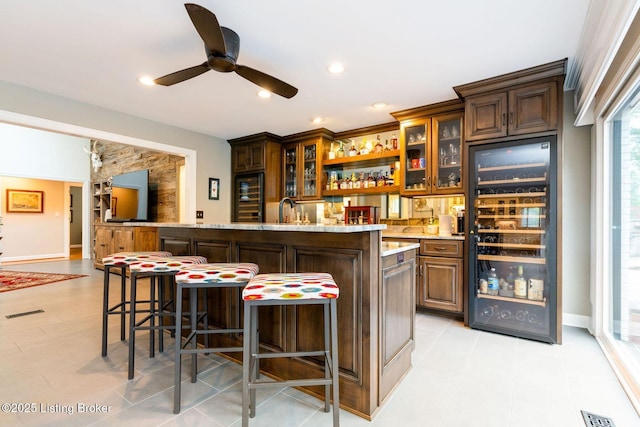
504,119
428,181
421,270
511,118
440,248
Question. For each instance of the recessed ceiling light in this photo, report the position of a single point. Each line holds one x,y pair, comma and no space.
379,105
264,94
146,80
317,120
335,68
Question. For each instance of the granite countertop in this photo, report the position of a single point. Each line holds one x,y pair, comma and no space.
314,228
390,248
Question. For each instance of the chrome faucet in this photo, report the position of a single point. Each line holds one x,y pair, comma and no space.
280,209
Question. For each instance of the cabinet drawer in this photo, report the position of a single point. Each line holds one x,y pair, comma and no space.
448,248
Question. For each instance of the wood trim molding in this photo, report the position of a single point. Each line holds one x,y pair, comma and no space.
605,28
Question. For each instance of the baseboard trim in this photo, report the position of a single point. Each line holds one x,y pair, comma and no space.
32,257
576,320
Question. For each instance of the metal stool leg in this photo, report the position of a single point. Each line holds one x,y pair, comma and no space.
132,324
335,370
105,310
177,381
123,302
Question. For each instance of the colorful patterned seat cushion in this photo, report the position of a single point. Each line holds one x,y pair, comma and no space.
166,265
288,286
217,273
126,258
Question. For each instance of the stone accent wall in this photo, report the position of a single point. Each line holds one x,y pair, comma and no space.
163,177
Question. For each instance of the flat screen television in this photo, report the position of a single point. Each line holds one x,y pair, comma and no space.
130,197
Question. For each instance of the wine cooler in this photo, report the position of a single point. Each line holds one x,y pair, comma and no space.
512,259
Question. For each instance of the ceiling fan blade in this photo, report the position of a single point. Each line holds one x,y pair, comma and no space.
182,75
267,82
207,26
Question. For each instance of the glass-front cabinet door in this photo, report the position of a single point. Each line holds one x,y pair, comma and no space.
310,186
414,157
432,155
290,172
512,259
301,166
446,154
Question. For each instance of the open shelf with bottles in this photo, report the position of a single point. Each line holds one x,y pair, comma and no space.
363,161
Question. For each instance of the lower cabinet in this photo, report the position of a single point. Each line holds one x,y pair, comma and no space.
111,238
440,274
397,318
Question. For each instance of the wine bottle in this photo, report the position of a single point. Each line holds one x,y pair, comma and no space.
520,284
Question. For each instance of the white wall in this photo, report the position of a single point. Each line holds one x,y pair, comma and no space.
53,160
213,157
35,235
576,199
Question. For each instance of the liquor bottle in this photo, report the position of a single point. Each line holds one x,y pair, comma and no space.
493,284
363,182
372,181
520,284
387,147
340,151
378,147
394,142
332,153
353,151
381,181
364,150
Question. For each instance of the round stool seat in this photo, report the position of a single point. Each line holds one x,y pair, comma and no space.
287,286
165,264
126,258
217,273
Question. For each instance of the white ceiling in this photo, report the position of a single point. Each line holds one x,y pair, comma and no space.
407,53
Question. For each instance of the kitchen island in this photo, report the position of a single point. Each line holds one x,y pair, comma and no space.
375,310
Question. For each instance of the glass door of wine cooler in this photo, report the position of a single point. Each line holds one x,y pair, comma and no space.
512,270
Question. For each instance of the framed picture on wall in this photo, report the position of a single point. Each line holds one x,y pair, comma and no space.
214,189
25,201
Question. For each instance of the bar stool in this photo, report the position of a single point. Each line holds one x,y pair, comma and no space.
121,261
154,268
289,289
205,276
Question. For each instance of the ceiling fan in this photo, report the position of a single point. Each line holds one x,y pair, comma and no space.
222,46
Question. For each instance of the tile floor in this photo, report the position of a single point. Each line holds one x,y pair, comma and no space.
460,377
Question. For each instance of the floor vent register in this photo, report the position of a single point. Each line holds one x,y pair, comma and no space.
26,313
595,420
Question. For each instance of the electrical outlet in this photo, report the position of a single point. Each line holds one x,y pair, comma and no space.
199,214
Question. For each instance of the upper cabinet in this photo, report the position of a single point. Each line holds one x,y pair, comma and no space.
255,158
524,102
302,164
431,149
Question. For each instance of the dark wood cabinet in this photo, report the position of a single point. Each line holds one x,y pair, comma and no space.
431,149
519,111
440,275
521,103
248,158
257,158
397,314
302,156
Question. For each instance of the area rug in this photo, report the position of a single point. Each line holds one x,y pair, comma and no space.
12,280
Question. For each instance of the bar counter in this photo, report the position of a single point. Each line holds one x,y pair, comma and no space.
376,306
